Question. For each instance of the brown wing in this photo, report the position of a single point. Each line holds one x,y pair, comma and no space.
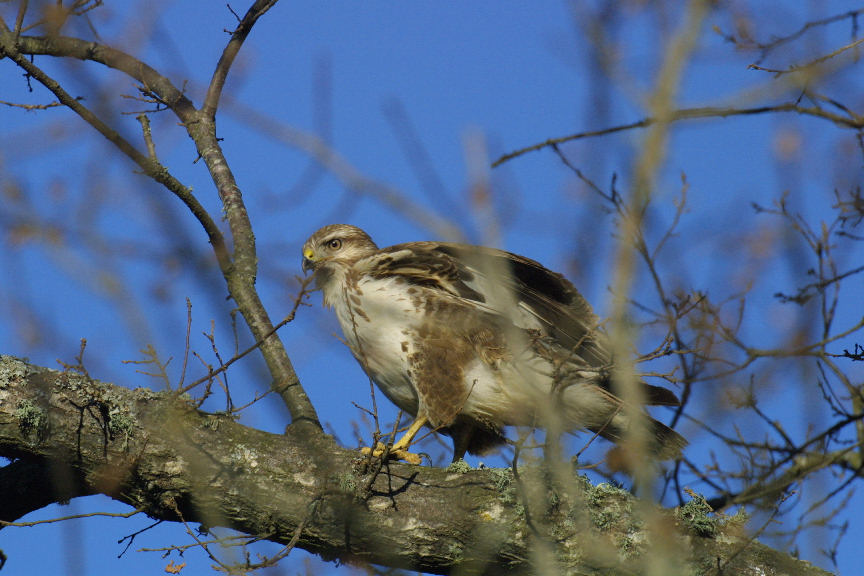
503,284
515,288
546,296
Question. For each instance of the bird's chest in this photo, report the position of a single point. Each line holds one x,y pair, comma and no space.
378,320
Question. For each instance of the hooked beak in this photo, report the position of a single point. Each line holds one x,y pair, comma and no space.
308,260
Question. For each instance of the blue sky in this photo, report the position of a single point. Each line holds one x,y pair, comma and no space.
501,75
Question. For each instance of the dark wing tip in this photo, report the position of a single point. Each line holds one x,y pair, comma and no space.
659,396
668,444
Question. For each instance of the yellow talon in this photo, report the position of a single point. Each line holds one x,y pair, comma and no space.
396,454
399,450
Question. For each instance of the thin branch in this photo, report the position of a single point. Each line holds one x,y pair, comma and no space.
811,64
72,517
90,51
298,300
854,122
217,82
776,42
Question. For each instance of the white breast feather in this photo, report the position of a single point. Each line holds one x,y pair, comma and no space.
510,392
377,338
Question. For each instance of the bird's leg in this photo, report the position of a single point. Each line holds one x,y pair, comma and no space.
399,450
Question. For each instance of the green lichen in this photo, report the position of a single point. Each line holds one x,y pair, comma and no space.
11,370
120,425
146,393
626,546
347,483
695,516
607,504
32,420
211,422
738,520
456,552
604,491
459,467
553,499
504,483
243,457
503,478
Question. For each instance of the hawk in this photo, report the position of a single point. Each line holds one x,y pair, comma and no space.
469,339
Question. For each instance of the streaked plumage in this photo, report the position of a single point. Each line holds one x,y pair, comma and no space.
470,339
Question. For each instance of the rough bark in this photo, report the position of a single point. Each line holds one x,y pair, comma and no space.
68,435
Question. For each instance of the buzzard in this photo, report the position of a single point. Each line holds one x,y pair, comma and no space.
469,339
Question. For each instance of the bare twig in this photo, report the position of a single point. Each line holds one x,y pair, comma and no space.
241,32
701,113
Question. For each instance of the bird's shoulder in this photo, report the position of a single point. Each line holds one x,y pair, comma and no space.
421,264
489,280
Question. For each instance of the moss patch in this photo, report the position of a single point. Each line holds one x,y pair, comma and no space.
32,420
120,426
695,516
459,467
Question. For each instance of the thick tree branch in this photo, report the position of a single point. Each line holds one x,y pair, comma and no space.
29,484
155,452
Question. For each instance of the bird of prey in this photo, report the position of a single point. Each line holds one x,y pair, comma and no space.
469,339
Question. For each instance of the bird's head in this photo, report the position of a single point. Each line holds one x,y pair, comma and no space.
336,242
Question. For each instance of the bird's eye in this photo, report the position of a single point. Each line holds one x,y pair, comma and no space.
335,244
